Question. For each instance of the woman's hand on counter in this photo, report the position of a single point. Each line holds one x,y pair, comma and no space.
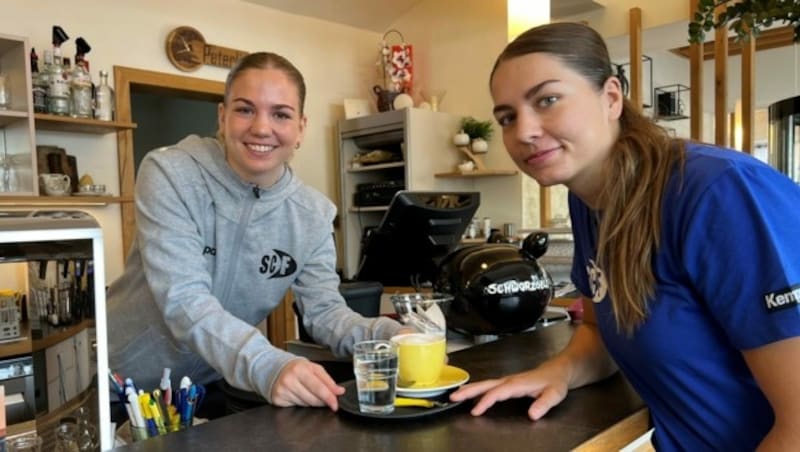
547,384
303,383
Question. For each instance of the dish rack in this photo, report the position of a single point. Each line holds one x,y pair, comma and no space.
9,314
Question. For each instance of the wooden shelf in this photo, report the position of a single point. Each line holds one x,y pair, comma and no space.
477,173
52,335
356,209
480,168
78,125
7,201
25,345
11,116
378,166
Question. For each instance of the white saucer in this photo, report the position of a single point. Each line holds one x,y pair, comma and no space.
452,377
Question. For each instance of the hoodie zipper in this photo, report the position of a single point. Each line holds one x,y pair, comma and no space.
241,228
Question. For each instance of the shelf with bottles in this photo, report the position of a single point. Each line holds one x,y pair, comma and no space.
671,101
45,121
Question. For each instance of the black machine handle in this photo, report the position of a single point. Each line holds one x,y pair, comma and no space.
535,245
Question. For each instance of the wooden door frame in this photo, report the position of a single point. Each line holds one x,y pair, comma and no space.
281,322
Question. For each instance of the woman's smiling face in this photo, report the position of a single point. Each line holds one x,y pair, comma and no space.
261,124
557,126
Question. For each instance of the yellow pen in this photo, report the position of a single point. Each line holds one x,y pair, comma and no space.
174,417
162,407
150,423
157,416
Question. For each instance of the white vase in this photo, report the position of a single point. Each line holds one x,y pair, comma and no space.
479,145
461,139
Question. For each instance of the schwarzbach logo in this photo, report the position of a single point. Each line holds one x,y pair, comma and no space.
277,265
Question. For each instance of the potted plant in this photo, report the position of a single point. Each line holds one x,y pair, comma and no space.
480,132
743,17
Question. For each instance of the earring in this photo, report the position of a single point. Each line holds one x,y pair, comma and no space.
297,145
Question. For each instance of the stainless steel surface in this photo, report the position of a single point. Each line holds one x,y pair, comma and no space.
52,236
784,137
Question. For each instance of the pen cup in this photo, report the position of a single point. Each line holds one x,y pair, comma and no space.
138,433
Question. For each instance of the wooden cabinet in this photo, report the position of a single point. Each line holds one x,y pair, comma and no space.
420,141
17,143
18,126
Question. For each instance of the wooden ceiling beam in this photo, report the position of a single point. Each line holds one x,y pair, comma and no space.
768,39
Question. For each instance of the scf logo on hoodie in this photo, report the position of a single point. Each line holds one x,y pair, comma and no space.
278,264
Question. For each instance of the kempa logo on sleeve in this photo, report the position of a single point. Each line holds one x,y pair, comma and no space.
782,299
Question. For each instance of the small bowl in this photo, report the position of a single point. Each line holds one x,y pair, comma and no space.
94,188
466,167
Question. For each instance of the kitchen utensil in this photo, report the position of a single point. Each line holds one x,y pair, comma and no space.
421,403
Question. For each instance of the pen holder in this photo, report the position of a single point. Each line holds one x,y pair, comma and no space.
138,433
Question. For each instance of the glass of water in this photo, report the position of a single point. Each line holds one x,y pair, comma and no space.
375,367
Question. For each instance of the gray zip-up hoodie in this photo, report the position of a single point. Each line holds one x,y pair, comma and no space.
212,257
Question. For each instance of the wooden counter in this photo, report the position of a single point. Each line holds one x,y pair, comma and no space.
602,416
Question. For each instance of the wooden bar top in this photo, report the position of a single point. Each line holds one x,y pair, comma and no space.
603,416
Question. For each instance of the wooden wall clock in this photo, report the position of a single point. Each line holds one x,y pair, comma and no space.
186,48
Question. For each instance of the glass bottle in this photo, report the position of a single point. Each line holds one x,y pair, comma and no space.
9,182
67,66
58,92
104,99
5,94
39,88
81,89
44,78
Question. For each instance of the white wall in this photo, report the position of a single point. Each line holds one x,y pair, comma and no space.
455,45
613,19
337,61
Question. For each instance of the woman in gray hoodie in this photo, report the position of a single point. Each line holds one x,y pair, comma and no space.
224,229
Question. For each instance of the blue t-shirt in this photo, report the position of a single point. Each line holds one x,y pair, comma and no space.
727,279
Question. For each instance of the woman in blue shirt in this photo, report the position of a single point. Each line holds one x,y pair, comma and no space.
686,255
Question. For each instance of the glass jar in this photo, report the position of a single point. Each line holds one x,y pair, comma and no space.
5,94
67,437
26,443
9,180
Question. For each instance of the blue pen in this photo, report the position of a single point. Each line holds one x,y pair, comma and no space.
186,413
201,395
184,386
